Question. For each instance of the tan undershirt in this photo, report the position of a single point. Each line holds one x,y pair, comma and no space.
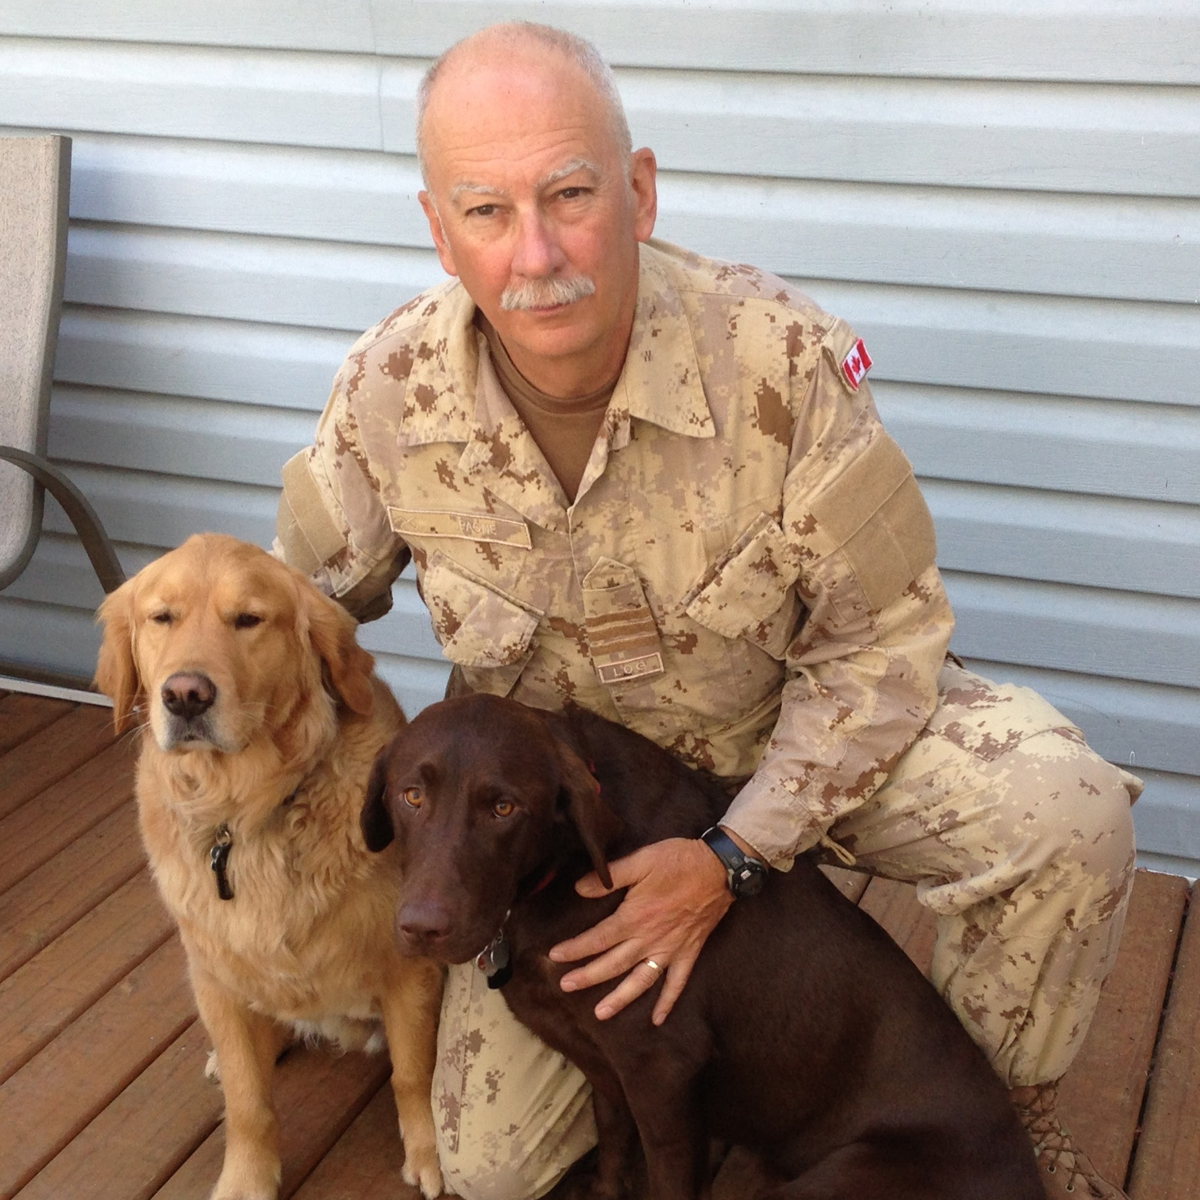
565,430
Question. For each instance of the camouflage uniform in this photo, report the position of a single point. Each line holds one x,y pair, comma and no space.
746,577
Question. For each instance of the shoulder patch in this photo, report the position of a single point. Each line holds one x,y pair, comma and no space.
855,365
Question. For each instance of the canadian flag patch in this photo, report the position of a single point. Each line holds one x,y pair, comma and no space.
856,364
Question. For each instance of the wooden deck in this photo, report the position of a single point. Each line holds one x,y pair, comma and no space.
102,1095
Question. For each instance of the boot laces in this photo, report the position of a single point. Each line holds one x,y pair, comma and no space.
1052,1144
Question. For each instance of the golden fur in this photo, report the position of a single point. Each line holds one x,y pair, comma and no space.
305,944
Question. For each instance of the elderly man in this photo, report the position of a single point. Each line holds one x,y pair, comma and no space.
656,485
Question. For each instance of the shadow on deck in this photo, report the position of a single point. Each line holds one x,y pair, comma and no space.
102,1094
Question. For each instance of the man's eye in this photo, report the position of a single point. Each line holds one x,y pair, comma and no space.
413,797
246,620
482,210
572,193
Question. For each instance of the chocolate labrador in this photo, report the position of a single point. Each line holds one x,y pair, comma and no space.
804,1031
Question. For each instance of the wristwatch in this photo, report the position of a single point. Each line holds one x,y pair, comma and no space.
744,874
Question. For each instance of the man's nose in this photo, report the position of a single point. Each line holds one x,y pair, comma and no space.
537,252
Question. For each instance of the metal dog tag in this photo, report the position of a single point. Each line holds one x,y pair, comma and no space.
494,961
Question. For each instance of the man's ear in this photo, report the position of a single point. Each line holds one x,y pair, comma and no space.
643,176
377,828
444,253
116,667
579,798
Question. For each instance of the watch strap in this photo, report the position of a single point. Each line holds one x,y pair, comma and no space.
744,874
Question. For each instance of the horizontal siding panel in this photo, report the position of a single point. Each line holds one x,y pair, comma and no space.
205,439
1047,137
1059,345
232,95
1150,41
913,131
281,280
221,360
336,195
1139,725
1134,545
1106,447
1076,348
1125,635
414,682
1096,246
161,510
1166,820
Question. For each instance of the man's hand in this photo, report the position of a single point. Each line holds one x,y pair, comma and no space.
677,894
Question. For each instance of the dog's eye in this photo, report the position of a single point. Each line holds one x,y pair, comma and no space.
504,808
413,796
161,618
246,620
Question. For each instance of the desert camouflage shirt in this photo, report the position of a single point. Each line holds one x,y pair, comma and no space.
745,576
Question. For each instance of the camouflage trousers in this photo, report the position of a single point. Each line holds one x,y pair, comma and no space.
1016,835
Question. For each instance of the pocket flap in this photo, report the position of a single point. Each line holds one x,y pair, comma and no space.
750,585
476,625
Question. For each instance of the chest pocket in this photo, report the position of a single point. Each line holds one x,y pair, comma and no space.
750,593
485,632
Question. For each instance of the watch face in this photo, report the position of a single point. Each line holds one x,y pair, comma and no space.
748,880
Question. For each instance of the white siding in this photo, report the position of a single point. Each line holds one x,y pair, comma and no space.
1002,195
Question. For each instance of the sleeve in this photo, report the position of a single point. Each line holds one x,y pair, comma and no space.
332,523
862,669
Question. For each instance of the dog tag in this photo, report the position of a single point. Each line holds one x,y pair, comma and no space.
494,962
218,860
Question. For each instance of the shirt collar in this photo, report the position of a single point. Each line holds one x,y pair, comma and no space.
660,381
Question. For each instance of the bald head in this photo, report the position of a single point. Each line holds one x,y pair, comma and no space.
515,47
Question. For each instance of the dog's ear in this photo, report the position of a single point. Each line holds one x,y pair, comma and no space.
377,828
348,665
579,798
116,667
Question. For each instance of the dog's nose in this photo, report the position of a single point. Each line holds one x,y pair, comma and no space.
422,922
187,694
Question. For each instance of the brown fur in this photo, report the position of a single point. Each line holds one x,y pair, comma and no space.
305,945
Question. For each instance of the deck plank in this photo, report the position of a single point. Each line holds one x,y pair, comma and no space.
42,998
1167,1163
67,887
22,716
139,1140
52,753
318,1094
365,1162
1101,1094
59,1091
37,831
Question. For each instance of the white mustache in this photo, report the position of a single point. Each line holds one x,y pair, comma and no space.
545,293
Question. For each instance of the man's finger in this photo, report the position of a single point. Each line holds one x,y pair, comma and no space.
610,932
621,958
639,980
676,977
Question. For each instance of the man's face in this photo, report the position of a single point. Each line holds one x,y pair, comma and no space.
529,206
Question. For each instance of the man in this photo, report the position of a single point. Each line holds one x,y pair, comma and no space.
657,485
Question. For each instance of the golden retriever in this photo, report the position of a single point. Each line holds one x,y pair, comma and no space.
259,721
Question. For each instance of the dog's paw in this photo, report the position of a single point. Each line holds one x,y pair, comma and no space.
212,1068
421,1169
250,1176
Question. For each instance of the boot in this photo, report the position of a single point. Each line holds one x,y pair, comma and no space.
1067,1173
